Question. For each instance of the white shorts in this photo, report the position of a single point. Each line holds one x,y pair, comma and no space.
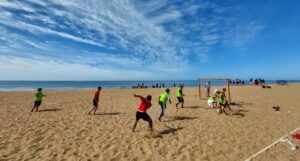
210,103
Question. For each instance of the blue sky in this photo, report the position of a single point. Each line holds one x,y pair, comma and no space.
149,40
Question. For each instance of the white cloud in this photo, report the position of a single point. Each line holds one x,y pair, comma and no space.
150,35
31,69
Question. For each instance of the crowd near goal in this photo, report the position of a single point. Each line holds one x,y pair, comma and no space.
216,79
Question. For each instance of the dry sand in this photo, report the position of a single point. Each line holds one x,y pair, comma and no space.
64,131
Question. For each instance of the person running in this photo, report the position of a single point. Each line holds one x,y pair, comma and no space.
142,111
221,101
163,99
207,87
96,100
180,95
38,99
212,102
226,104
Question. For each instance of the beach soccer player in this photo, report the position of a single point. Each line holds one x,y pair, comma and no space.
142,111
212,102
38,99
179,96
226,104
163,99
96,100
221,101
207,87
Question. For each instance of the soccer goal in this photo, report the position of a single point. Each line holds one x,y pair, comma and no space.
216,79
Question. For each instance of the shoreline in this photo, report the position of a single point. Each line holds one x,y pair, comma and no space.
120,88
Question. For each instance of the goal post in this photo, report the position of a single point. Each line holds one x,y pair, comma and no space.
215,79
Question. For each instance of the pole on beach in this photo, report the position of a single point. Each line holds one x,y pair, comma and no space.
199,86
228,91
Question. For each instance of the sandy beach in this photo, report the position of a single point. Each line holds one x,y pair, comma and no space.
63,130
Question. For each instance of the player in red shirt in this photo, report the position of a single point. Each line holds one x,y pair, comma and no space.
96,100
142,111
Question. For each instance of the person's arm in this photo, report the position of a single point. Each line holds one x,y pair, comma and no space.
137,96
169,100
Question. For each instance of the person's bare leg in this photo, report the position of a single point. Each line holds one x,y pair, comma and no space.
37,108
134,125
151,125
227,104
91,110
182,103
33,108
223,109
96,107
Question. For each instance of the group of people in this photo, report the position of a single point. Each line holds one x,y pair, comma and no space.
219,102
257,82
141,113
237,82
157,85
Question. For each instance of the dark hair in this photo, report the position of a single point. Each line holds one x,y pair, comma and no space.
149,97
167,90
39,89
99,88
224,89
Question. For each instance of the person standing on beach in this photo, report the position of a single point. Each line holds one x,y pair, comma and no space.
226,104
221,101
142,111
207,87
96,100
38,99
179,96
163,99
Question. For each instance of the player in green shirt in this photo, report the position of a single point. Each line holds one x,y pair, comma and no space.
38,99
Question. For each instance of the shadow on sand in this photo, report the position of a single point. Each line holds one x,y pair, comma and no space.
110,114
49,110
240,104
196,107
180,118
170,130
239,113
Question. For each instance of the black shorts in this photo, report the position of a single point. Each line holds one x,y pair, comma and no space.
225,104
142,115
180,99
37,103
95,103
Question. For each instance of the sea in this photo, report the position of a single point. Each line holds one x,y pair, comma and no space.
83,85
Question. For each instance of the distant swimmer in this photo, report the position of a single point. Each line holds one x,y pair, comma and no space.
96,100
163,99
179,95
38,99
142,111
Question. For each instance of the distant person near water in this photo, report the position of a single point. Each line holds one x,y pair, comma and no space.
163,99
207,87
38,99
179,95
142,111
96,100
